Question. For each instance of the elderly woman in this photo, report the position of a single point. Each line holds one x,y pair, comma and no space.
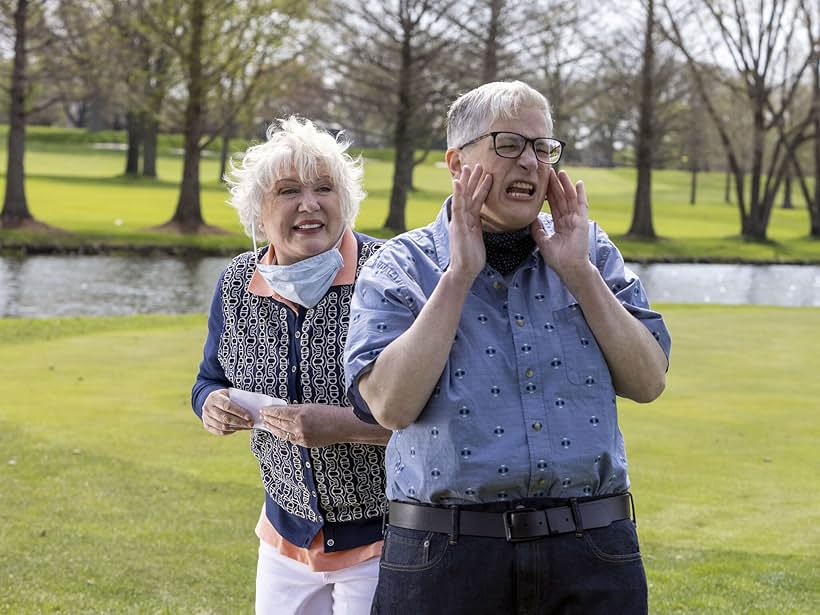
277,326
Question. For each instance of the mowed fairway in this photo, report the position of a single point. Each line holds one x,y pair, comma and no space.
113,499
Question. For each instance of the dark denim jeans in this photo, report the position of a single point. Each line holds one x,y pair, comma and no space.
599,572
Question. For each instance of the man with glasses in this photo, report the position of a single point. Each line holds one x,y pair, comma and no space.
493,342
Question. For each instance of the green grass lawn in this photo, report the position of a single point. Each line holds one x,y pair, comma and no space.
115,500
81,190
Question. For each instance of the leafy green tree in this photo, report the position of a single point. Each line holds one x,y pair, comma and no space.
222,50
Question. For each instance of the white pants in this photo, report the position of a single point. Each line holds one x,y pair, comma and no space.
287,587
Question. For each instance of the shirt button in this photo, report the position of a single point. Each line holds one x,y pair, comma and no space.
307,464
293,368
520,322
530,373
330,542
541,482
313,493
496,285
537,426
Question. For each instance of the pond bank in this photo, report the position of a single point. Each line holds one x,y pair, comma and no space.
190,247
44,286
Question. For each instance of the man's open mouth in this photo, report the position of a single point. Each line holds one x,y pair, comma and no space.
520,188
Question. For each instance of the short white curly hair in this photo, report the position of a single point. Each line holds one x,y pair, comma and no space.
293,145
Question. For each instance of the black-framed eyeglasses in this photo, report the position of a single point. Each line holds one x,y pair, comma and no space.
512,145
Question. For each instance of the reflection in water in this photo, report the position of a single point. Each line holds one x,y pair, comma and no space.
43,286
786,285
37,286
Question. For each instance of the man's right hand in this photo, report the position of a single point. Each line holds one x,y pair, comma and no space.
222,417
467,252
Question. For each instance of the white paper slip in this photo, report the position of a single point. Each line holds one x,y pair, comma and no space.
253,403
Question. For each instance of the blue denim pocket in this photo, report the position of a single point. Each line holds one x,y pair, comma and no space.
411,550
616,543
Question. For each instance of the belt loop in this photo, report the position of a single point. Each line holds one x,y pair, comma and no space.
455,514
576,516
384,520
632,506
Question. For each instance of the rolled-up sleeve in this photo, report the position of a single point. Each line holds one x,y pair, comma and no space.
386,300
629,290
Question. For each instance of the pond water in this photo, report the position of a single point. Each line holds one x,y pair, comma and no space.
44,286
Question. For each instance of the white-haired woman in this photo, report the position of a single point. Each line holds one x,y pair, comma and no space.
277,326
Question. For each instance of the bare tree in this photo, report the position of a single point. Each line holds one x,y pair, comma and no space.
811,17
495,35
214,43
149,73
642,212
390,61
759,41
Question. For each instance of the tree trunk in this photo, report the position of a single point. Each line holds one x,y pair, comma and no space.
96,112
814,204
787,188
15,208
755,225
642,212
490,63
134,131
225,150
188,214
402,179
727,188
403,144
693,185
150,128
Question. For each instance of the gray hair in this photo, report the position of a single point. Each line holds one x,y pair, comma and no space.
474,112
293,145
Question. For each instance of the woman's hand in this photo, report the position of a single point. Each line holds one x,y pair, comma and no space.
221,417
310,425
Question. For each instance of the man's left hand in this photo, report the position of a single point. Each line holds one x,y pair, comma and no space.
566,250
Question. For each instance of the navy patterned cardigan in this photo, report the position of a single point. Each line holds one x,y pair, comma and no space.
259,344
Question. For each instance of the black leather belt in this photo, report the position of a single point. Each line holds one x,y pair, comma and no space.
514,524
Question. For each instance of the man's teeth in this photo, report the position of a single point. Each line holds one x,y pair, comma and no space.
521,187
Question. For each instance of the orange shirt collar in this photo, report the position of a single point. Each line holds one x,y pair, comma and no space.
347,274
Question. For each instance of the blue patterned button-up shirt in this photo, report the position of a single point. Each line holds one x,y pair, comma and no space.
525,406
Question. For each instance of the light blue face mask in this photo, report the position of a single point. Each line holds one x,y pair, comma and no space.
306,281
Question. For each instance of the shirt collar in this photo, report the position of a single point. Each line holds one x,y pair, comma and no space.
349,249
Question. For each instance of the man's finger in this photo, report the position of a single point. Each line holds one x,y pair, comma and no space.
483,190
555,195
569,189
582,195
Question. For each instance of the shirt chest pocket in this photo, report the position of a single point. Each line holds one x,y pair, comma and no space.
583,359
